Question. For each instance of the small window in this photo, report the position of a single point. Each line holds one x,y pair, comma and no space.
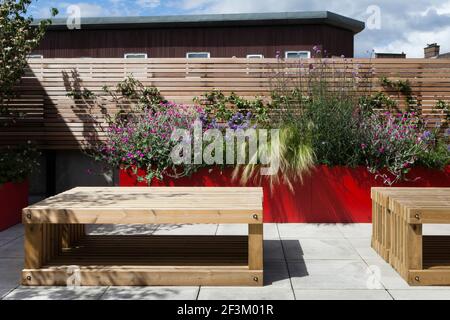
194,55
135,56
255,56
297,54
35,56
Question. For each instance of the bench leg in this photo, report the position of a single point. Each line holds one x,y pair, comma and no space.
255,246
414,251
33,246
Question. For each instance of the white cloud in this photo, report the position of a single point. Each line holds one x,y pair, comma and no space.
444,8
91,10
148,3
410,45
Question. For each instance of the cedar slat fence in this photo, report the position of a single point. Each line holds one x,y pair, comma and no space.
56,121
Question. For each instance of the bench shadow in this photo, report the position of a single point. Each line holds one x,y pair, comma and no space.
283,260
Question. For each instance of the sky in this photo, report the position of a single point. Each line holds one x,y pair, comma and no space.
391,25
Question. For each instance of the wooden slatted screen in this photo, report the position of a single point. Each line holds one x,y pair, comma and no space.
57,121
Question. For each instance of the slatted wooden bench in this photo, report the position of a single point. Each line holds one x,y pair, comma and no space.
398,216
57,247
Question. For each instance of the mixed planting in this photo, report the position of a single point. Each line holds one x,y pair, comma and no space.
323,117
18,38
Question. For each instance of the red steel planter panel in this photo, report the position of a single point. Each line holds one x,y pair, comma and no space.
327,194
13,198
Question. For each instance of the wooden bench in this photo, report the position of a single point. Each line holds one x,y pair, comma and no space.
57,249
398,216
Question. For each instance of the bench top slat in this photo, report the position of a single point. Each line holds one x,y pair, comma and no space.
431,205
149,205
155,198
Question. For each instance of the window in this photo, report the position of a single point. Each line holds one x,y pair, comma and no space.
297,54
193,55
135,56
255,56
35,56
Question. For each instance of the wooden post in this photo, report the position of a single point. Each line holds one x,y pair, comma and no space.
33,246
414,247
255,246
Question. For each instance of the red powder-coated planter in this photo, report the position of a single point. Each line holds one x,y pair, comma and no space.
327,194
13,198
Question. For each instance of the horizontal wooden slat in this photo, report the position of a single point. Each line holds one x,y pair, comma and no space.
60,122
90,205
134,276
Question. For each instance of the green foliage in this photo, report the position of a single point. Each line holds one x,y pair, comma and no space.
140,137
443,106
377,101
403,87
296,158
437,156
324,109
215,103
143,141
393,143
223,107
335,134
16,164
131,90
18,38
81,94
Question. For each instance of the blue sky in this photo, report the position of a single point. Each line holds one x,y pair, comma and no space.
395,25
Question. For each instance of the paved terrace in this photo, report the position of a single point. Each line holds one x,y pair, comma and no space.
302,261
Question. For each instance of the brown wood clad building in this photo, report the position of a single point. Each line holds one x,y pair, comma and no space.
221,35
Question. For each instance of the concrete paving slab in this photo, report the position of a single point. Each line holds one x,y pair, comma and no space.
436,229
355,230
273,250
5,290
122,229
186,229
245,293
363,248
10,272
309,231
420,294
330,274
13,249
276,275
56,293
5,241
13,232
319,249
342,295
270,230
232,229
391,280
151,293
321,261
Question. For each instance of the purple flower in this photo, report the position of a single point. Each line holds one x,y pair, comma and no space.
426,135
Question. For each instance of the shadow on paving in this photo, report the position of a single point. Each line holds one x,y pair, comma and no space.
276,271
